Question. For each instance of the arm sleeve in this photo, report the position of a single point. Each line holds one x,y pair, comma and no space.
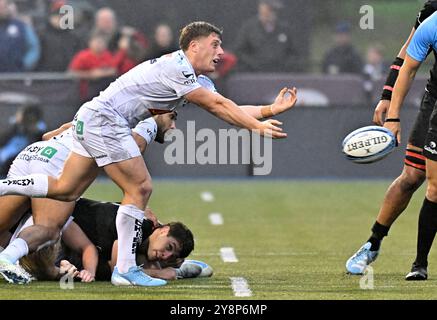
147,129
423,39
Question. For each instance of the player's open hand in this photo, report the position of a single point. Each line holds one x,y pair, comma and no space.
380,111
86,276
285,100
270,128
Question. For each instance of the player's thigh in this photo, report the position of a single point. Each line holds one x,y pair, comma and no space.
12,209
104,136
129,174
77,174
421,124
51,213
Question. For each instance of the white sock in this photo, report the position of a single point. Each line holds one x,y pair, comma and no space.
34,185
128,222
15,250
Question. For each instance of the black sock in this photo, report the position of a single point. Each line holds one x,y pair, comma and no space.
426,231
378,233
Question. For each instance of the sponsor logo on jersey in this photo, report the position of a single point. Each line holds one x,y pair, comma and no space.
49,152
188,75
101,156
79,127
19,182
138,236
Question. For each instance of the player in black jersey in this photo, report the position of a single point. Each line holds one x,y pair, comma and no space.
89,243
413,175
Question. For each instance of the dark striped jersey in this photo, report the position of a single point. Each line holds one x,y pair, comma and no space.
97,220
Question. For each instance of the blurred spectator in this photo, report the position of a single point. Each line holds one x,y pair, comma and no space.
343,57
375,68
264,43
163,42
19,49
105,22
132,49
63,42
27,127
94,66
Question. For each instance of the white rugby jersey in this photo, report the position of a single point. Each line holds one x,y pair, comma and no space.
157,84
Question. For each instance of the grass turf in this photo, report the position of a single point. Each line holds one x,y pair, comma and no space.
292,239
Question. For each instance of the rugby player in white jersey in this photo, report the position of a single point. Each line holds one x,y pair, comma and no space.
48,156
102,135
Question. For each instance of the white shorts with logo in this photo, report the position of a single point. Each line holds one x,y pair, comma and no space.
103,135
45,157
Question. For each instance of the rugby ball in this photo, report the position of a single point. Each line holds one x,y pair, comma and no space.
206,269
368,144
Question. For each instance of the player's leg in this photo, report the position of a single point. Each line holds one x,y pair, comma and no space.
49,216
399,193
427,225
134,179
395,201
79,172
12,209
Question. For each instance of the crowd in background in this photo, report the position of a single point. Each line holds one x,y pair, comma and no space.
100,46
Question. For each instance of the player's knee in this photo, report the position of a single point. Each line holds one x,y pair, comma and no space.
411,179
145,189
64,192
431,190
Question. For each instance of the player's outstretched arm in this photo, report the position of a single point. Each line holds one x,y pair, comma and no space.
384,104
285,100
51,134
402,86
228,111
76,240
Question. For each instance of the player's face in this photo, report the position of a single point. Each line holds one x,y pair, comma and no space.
209,53
162,247
165,122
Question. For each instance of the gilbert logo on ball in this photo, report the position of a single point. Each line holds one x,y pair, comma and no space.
368,144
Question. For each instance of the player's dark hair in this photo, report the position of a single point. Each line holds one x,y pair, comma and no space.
196,30
183,235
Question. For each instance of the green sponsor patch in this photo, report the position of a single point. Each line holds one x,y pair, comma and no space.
48,152
79,127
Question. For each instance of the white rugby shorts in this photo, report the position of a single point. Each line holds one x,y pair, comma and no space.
46,157
103,135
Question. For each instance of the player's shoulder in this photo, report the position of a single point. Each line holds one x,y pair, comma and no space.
177,64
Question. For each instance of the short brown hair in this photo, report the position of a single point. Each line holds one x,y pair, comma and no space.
183,235
196,30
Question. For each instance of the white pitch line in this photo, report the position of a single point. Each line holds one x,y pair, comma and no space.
240,287
207,196
216,218
228,255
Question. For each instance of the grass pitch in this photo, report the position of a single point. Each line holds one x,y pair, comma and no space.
291,238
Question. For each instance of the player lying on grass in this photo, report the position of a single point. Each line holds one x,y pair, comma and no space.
413,174
89,247
48,157
103,139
